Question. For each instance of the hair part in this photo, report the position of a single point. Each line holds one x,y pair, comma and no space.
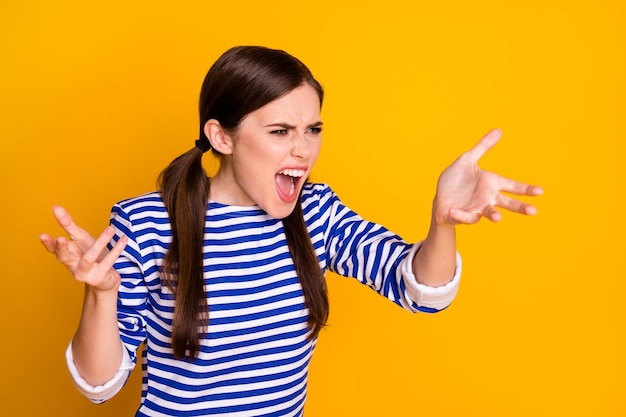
242,80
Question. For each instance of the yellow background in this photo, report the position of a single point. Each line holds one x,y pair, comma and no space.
97,97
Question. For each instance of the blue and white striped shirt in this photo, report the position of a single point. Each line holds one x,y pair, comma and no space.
255,357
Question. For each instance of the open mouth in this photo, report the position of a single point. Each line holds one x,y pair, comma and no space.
287,182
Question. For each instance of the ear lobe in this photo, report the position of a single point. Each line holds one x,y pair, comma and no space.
219,139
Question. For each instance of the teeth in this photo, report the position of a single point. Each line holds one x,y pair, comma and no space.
293,172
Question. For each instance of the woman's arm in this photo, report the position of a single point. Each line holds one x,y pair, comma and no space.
96,346
465,193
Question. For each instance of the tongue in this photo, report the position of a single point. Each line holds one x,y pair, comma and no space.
283,182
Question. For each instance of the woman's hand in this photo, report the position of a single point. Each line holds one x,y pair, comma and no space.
465,193
85,257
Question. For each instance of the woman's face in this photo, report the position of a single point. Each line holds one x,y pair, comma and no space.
271,154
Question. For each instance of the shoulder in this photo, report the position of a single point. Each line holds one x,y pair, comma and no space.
143,200
319,202
142,206
316,192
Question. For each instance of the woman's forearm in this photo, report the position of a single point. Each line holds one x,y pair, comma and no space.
97,347
435,262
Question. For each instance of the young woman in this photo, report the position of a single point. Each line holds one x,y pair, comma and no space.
222,279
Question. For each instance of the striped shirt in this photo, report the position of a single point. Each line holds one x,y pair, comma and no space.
254,359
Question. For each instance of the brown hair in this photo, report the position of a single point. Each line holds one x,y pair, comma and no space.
242,80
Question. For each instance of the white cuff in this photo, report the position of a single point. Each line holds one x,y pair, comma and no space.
100,393
436,298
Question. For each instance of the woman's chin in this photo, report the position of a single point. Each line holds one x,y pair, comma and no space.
282,210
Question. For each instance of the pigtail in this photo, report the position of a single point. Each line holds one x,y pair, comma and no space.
308,269
184,188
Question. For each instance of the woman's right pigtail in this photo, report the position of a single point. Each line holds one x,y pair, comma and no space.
308,269
184,188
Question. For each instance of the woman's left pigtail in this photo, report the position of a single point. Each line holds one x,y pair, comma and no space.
184,187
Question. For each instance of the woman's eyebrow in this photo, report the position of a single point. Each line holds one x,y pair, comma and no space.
288,126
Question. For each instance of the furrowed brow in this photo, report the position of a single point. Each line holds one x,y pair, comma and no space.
281,125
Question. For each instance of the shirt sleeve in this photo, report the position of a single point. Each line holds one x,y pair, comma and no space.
131,311
380,259
430,299
133,292
100,393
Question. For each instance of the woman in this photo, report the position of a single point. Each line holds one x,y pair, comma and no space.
223,278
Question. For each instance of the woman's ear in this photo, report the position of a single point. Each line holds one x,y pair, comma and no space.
220,140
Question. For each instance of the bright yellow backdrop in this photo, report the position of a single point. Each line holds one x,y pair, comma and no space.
97,97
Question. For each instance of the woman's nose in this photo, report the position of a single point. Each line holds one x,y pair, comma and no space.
301,147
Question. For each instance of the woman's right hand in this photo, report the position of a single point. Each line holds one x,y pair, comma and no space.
85,257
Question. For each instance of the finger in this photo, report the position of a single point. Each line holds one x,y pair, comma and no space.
487,142
115,252
534,190
48,242
519,188
466,217
105,267
94,252
64,252
463,217
516,206
491,213
83,238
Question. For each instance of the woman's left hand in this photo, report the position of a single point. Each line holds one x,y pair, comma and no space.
465,193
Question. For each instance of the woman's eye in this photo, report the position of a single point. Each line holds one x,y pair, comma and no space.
279,132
